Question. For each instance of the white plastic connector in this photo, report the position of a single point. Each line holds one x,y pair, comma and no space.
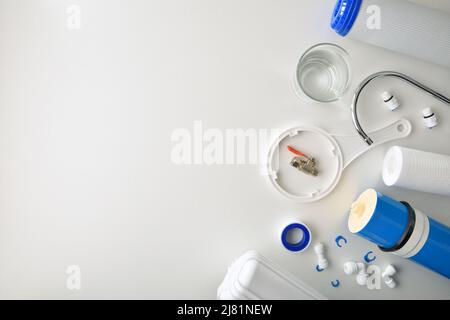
358,268
352,267
429,118
322,262
390,271
390,100
390,282
388,274
361,278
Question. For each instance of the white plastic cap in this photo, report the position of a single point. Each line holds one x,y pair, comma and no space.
427,112
386,96
430,118
390,100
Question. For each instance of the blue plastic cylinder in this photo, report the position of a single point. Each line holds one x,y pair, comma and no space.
388,223
435,254
398,228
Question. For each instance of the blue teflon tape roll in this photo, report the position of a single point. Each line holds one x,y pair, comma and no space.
304,241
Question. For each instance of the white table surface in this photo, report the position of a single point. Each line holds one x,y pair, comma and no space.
86,118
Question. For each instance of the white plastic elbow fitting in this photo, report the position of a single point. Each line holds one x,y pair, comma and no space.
358,268
352,267
322,262
387,275
390,100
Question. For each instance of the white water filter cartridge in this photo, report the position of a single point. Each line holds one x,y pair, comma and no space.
417,170
397,25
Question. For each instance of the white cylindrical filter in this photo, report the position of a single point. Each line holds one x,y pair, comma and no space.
397,25
417,170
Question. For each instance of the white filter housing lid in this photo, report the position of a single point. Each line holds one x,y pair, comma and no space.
253,277
315,143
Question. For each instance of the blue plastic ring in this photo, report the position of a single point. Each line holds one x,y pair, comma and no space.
344,15
304,242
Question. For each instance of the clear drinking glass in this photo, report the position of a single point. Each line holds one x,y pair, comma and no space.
323,73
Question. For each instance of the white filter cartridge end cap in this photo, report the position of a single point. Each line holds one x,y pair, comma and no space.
427,112
392,166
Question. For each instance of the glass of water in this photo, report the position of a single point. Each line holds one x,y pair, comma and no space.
323,73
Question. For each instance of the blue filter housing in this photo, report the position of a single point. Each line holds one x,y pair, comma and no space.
398,228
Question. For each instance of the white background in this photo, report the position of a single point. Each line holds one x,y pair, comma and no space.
86,118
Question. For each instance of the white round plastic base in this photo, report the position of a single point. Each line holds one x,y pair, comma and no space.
315,143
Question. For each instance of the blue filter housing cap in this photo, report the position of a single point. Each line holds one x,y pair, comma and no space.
344,15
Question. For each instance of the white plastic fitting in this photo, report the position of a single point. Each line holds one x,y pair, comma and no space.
429,118
390,282
358,268
361,278
390,100
388,274
322,262
352,267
